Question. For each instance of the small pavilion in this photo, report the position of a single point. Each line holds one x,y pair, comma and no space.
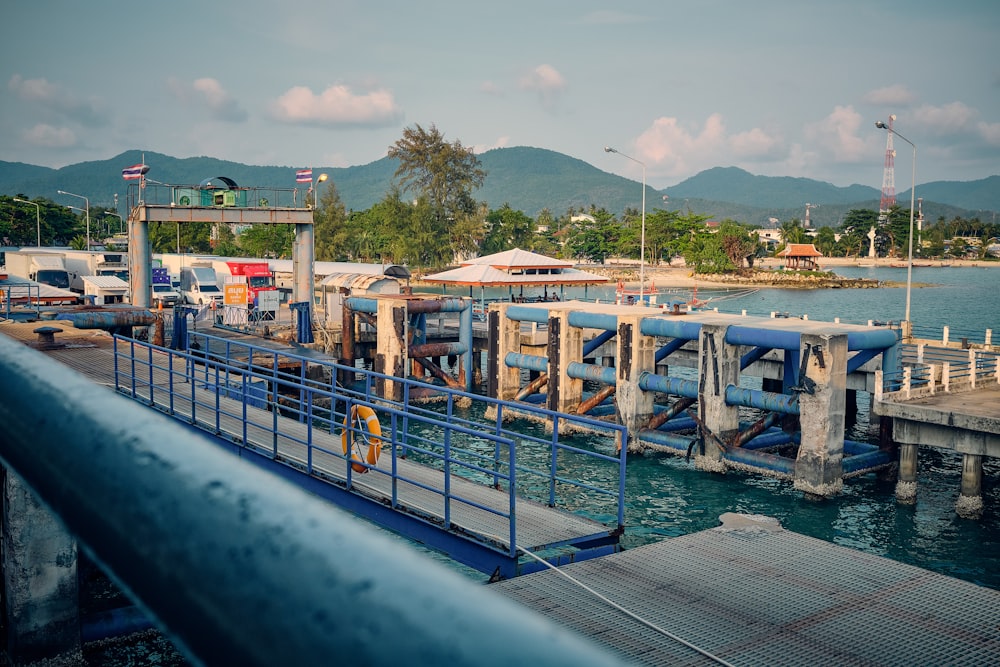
800,256
517,269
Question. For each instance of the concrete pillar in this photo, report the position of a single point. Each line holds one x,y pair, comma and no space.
41,592
906,485
718,367
303,269
391,356
970,499
140,263
504,337
565,347
636,353
822,392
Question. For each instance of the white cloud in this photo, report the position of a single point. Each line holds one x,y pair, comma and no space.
209,94
755,143
990,133
546,81
673,151
838,136
890,96
501,142
949,119
56,100
337,105
49,137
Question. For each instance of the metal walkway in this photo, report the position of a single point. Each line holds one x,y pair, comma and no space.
752,593
462,497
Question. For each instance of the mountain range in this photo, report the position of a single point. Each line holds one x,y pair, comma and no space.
530,179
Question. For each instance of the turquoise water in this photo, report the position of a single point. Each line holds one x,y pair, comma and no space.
668,497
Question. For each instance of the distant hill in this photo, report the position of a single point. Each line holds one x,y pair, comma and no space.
529,179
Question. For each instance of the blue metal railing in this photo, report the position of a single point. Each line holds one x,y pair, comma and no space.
304,388
235,565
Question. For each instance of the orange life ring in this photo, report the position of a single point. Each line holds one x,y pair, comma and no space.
367,430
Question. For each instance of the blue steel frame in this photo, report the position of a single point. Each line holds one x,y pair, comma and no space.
230,368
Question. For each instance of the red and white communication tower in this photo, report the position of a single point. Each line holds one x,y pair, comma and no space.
888,176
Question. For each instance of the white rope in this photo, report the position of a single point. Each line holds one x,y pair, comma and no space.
625,611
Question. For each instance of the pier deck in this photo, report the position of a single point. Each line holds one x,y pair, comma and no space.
752,593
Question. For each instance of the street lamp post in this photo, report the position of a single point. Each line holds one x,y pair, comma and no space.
38,217
121,221
319,179
913,188
63,192
642,239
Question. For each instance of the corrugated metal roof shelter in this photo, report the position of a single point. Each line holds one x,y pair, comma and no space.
106,289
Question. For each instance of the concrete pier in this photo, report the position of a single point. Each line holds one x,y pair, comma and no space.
813,361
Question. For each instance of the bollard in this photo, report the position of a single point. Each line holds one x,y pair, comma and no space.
47,337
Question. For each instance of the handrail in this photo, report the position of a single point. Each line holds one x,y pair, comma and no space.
235,565
924,379
238,353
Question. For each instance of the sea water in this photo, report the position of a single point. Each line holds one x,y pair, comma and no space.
667,496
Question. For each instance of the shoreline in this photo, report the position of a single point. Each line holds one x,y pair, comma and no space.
682,276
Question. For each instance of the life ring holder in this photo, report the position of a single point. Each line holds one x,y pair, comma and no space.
366,431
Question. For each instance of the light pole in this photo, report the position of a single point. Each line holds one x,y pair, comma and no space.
121,221
642,239
319,179
38,217
913,188
63,192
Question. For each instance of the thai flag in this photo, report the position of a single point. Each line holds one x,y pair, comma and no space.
304,176
134,172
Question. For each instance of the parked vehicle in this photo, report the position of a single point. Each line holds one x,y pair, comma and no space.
257,275
164,293
199,286
42,266
82,263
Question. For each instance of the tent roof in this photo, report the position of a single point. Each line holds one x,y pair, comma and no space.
484,275
520,259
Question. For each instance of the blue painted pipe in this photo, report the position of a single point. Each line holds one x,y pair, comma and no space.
665,439
671,327
738,334
442,305
604,374
762,400
668,385
670,348
532,362
867,461
598,341
584,320
362,304
753,355
678,424
774,438
528,314
860,359
108,319
761,460
855,448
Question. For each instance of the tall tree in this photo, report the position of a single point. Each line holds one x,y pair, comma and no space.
329,225
445,173
507,228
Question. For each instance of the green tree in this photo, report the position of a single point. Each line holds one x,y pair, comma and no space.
507,228
826,241
737,243
268,241
444,173
329,225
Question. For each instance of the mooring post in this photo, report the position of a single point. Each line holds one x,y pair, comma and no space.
718,367
636,354
565,347
906,485
40,586
505,336
822,391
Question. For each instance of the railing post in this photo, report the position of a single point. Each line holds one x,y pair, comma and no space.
973,371
920,353
879,386
944,336
988,340
946,376
907,377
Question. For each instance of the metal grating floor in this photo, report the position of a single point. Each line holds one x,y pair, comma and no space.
752,593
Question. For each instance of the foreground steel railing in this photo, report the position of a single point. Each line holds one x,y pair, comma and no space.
235,565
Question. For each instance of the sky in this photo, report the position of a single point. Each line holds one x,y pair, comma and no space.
775,87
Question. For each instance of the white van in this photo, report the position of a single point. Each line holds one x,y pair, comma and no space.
198,285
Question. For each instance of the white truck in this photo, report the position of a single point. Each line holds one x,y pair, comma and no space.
82,263
42,266
198,284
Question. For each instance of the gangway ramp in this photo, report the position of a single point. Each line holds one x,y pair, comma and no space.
449,484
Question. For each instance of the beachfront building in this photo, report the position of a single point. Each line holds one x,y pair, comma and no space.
800,256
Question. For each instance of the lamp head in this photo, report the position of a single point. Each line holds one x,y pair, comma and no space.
321,178
609,149
880,125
